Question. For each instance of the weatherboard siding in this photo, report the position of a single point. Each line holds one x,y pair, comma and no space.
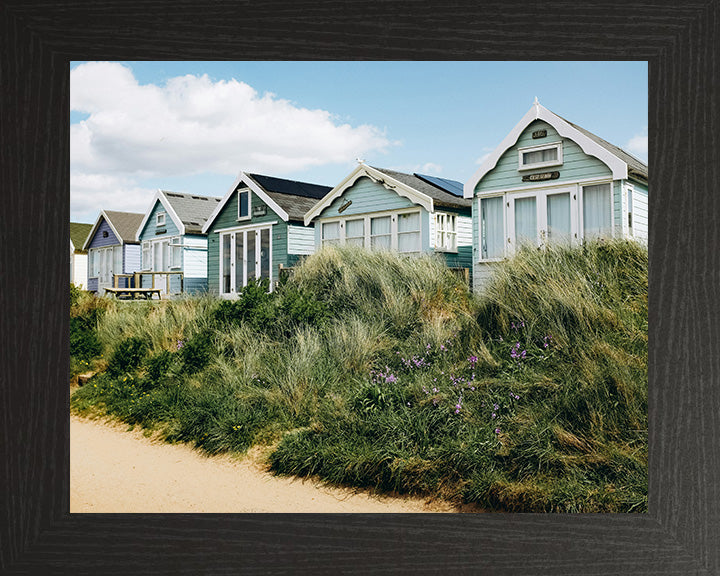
576,164
300,240
227,218
151,230
640,211
98,241
366,196
194,256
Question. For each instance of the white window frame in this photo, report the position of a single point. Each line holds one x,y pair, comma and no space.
232,233
581,223
160,218
367,218
504,227
442,231
557,145
540,196
176,253
248,216
146,262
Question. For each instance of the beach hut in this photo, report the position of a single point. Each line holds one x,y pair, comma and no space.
257,229
174,247
78,256
549,181
112,249
384,209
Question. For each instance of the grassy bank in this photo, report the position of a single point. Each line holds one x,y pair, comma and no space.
371,369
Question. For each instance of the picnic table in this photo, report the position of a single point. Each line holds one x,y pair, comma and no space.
134,293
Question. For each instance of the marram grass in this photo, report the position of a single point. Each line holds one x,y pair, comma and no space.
377,370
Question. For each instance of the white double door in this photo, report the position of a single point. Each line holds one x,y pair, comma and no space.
244,256
109,263
161,263
540,218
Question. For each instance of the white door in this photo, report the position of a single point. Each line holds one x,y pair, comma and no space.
160,264
106,269
244,255
540,218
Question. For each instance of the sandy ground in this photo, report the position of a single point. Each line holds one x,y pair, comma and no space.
116,470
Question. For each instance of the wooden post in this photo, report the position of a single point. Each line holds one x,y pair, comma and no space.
153,279
136,284
115,280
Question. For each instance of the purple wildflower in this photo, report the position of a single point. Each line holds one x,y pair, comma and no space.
180,344
497,430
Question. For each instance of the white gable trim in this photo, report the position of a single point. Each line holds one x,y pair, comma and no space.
242,177
160,196
95,227
376,176
538,112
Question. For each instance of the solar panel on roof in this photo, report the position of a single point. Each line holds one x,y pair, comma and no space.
282,186
452,186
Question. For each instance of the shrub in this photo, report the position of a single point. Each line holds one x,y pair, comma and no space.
196,352
127,356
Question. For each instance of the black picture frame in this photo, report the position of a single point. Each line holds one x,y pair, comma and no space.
680,534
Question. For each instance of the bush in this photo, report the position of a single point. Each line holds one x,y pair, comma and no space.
128,356
196,352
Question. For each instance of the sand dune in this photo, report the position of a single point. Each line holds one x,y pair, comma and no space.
116,470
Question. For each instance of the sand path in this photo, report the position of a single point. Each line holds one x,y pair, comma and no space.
116,470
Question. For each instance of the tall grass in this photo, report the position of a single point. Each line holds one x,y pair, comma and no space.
373,369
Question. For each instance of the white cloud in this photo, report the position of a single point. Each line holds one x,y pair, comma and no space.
94,192
638,144
193,125
482,158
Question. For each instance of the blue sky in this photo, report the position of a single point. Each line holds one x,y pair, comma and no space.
192,126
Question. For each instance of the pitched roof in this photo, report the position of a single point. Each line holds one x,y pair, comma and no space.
193,210
440,196
78,234
125,224
294,197
289,199
635,166
622,164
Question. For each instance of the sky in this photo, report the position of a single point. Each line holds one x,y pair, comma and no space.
193,126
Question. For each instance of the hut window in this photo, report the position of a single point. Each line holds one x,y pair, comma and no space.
491,228
244,204
446,232
146,256
175,253
355,232
330,233
380,232
597,217
409,232
540,156
160,219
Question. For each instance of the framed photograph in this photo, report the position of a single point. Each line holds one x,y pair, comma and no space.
680,532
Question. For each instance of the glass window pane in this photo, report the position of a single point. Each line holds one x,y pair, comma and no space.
596,210
250,255
243,203
157,256
239,259
491,227
525,220
330,232
380,232
355,232
409,242
409,222
558,217
538,156
265,253
225,239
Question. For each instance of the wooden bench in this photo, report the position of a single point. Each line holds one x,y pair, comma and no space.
134,293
